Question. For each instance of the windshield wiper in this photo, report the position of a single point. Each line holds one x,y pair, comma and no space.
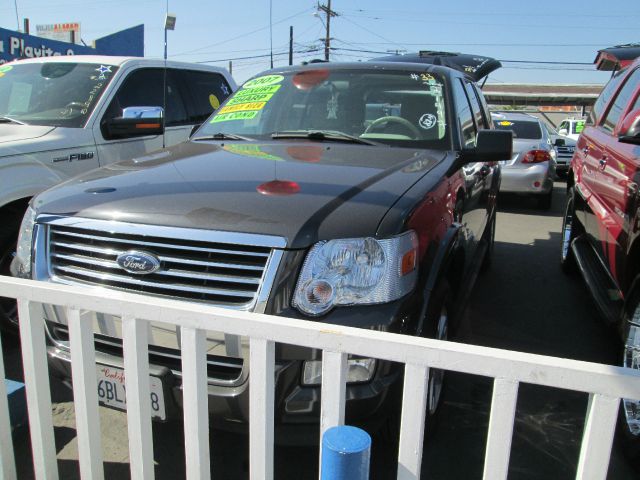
322,135
5,119
223,136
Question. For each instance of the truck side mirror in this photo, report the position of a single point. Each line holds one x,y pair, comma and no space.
491,146
194,129
559,142
135,122
629,131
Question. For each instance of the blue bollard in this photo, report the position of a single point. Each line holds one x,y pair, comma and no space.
345,454
17,403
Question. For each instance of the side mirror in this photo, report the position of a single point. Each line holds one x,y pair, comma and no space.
630,129
559,142
135,122
563,131
491,146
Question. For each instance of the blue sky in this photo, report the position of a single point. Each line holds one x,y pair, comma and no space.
549,31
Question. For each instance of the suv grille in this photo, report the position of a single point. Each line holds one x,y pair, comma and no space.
221,273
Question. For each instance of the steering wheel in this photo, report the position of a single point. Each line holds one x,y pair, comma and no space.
415,133
71,106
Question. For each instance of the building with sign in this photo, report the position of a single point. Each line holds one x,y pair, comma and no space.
15,45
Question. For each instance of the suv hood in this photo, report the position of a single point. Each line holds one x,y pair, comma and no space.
12,132
302,191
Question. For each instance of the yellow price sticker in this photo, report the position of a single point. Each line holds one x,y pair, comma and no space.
225,117
241,107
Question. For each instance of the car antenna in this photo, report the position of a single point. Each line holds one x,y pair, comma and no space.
169,24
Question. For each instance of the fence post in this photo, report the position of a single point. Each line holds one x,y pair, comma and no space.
345,454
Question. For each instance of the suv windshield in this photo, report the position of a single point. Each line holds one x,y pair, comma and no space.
55,94
520,128
391,107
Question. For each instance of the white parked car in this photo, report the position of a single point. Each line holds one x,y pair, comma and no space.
61,116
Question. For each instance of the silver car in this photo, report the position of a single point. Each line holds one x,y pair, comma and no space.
532,167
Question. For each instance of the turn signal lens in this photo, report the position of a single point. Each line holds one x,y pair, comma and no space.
408,263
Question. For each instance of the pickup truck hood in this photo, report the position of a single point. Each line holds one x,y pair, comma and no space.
301,190
12,132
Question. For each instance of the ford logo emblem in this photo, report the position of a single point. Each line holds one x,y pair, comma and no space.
138,263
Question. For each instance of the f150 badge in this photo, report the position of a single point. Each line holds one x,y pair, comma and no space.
74,156
137,262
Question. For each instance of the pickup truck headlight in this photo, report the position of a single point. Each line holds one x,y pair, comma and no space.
356,271
21,265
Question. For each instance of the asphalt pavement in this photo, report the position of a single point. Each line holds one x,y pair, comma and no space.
523,302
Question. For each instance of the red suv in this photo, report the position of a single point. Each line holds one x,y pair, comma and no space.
601,228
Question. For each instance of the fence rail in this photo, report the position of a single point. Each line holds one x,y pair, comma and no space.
605,384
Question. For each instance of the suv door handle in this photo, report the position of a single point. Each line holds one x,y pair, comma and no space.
603,162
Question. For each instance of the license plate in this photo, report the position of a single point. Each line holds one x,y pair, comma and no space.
112,391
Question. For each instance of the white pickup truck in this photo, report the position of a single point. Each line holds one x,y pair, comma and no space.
61,116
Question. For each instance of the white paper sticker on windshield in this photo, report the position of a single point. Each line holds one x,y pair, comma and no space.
427,121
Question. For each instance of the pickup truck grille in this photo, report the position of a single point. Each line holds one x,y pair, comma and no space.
564,151
220,273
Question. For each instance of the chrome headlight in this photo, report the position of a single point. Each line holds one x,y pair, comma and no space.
21,265
356,271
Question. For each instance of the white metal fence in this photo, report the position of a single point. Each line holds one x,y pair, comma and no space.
605,384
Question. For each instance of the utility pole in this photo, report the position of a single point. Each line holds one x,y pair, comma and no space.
330,13
291,45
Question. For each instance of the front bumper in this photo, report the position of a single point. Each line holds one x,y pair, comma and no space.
297,406
563,163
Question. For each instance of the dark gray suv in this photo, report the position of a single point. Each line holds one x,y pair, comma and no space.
351,194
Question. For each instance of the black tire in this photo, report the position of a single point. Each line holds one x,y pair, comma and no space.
490,234
436,326
8,242
544,201
628,432
569,232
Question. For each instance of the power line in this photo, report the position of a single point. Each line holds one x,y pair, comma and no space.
251,57
306,10
424,44
545,62
476,24
372,32
572,13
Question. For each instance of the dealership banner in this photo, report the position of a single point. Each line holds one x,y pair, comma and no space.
65,32
15,45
